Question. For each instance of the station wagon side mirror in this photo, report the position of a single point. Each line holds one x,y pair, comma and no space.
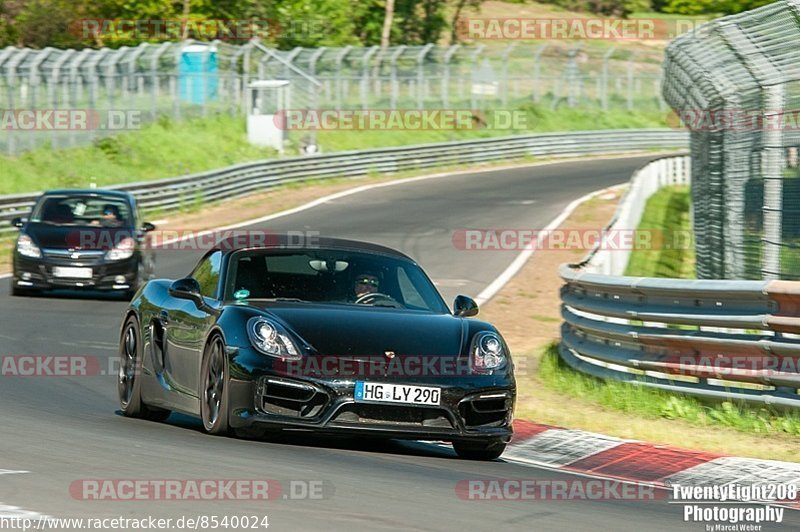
18,222
147,227
465,307
187,288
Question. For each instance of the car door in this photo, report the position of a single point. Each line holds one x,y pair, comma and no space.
186,328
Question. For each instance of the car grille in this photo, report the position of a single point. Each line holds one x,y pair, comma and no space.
357,414
486,411
77,257
285,397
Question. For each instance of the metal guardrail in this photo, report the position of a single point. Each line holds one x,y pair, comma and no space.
717,339
169,194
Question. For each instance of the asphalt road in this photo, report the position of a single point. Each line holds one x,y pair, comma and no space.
64,430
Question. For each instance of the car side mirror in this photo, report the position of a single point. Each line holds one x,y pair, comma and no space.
187,288
465,307
147,227
18,222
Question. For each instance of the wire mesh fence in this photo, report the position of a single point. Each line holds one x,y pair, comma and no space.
735,83
124,88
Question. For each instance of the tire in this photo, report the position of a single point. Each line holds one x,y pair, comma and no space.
138,281
479,451
214,392
129,385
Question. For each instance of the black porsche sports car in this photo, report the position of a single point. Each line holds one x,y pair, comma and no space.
82,239
330,336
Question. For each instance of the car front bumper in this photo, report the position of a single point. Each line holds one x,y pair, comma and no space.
38,274
472,408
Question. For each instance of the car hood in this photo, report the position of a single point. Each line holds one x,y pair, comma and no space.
346,331
75,237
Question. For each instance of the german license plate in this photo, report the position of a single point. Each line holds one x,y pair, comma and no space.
72,273
381,392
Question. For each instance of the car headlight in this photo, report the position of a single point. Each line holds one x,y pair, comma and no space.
271,338
27,248
488,352
123,250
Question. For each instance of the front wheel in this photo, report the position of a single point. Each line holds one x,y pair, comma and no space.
479,451
137,282
214,394
129,386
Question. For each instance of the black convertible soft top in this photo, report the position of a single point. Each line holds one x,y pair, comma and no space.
303,241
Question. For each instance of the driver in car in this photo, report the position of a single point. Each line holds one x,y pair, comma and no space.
111,216
366,283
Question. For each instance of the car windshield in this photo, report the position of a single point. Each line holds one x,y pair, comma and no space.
101,211
332,276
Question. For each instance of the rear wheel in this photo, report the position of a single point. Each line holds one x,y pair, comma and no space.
490,450
214,394
129,379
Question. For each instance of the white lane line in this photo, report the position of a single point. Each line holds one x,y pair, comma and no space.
513,269
12,472
498,283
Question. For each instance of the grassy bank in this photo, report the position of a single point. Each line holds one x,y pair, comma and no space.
654,404
668,220
167,149
667,214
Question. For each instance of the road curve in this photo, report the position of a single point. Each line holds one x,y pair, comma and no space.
62,430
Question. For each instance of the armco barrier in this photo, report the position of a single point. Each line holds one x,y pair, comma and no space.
257,176
730,340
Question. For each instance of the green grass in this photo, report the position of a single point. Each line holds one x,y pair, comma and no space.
655,404
672,252
162,149
167,149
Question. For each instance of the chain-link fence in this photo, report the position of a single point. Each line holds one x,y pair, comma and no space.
735,82
189,79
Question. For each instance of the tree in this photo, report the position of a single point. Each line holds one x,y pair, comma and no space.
712,7
387,24
455,22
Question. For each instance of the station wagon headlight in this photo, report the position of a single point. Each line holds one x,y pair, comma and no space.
271,338
488,352
27,248
123,250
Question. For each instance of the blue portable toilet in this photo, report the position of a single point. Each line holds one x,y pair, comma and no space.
198,77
